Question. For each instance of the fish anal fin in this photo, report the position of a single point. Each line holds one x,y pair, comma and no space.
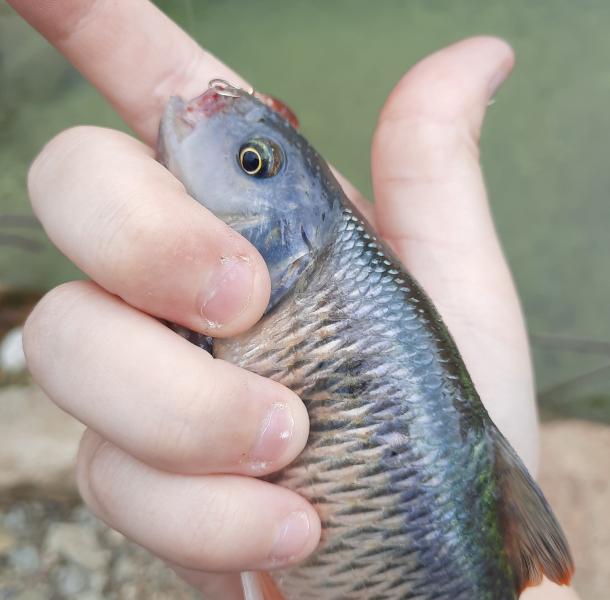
534,542
259,585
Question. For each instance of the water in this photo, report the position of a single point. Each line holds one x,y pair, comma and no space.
544,147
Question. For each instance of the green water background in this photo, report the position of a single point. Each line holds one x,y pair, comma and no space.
544,148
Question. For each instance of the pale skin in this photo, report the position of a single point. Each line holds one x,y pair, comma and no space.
173,435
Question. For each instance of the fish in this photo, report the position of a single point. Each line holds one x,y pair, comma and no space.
420,495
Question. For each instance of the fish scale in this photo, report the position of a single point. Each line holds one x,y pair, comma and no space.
393,373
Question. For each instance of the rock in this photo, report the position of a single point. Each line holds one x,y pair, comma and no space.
89,595
70,579
128,592
36,592
16,519
59,550
76,543
98,581
124,570
113,538
25,559
12,358
83,516
7,541
575,478
39,442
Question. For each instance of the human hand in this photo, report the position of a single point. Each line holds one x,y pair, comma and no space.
170,450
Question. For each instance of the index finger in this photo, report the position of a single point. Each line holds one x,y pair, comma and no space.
136,57
130,51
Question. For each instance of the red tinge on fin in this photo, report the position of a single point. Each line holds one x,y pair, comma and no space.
258,585
279,107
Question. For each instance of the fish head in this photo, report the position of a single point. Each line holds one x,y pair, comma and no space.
248,165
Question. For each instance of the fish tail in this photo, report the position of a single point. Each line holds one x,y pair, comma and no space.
534,541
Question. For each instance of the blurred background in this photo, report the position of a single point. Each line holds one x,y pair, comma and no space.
547,165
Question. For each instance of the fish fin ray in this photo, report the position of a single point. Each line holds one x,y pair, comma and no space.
534,541
258,585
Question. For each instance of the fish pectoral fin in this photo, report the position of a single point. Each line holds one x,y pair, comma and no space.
534,541
205,342
258,585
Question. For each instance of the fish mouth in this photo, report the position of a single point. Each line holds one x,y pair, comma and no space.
172,129
174,123
180,118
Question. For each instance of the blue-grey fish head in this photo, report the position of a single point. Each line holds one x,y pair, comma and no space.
246,163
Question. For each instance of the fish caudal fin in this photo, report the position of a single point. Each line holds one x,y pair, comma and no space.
259,586
534,541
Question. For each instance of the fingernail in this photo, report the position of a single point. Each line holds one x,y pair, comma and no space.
292,535
275,434
227,291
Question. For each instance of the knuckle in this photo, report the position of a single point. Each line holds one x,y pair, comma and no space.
204,435
428,149
143,243
89,443
100,469
211,535
417,127
184,439
138,241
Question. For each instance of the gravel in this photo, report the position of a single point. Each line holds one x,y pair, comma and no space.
56,550
12,358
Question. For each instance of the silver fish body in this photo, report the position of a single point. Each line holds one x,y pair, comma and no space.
419,494
398,474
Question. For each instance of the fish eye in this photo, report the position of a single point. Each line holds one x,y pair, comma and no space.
260,158
250,159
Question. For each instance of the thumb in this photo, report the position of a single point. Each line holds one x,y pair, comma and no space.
431,206
425,150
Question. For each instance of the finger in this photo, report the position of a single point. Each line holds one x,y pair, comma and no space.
431,205
154,394
135,56
426,171
125,221
215,522
130,51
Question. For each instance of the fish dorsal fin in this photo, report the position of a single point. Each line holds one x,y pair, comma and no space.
534,541
258,585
